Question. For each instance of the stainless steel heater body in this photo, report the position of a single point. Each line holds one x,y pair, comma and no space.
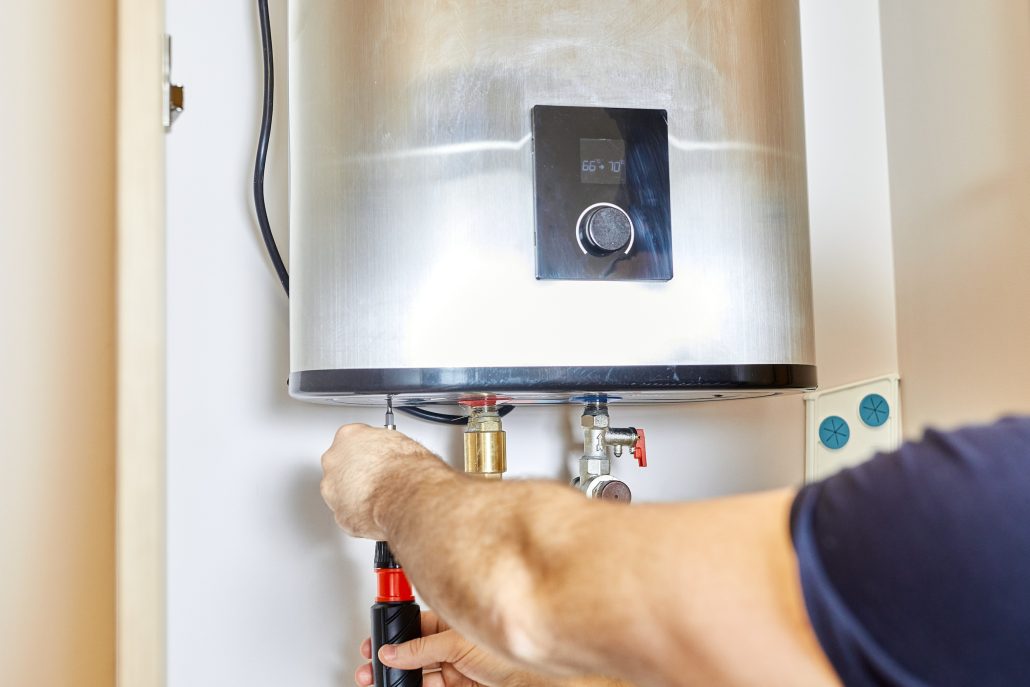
546,199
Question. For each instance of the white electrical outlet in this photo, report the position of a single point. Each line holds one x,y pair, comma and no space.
849,424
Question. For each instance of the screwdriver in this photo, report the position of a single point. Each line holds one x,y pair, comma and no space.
396,618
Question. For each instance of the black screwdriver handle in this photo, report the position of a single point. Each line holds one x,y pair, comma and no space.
394,623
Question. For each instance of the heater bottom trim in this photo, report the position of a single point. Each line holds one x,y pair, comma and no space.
549,384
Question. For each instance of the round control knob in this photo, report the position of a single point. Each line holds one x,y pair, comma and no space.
605,228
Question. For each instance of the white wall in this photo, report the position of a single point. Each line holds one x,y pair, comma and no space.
262,589
957,78
849,203
57,412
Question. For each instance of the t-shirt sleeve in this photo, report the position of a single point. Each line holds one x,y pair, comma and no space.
915,566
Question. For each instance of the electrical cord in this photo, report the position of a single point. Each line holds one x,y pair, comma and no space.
264,135
433,416
445,418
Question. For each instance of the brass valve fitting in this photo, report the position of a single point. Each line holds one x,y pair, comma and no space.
485,452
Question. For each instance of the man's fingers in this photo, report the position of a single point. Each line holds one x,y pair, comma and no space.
431,624
444,647
363,675
434,679
347,432
454,677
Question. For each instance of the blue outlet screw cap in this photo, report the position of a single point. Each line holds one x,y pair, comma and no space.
834,432
874,410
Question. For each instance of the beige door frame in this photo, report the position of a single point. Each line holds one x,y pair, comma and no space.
140,514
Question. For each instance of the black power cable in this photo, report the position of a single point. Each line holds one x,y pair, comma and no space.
264,135
445,418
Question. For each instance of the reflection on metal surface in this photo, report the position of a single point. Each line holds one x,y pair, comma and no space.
727,146
443,150
411,178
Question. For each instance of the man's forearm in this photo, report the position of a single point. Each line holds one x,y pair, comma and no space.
488,555
527,569
476,549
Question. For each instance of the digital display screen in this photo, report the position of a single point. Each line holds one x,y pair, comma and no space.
602,160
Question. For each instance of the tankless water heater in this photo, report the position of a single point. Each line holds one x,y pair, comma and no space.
547,199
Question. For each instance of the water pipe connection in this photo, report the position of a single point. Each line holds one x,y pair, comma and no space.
602,442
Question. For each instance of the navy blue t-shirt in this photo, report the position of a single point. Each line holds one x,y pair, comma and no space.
915,566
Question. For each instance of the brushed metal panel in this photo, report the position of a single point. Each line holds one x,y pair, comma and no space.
412,182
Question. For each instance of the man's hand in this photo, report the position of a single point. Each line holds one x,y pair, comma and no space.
367,467
453,660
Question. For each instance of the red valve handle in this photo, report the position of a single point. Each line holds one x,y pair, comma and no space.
640,449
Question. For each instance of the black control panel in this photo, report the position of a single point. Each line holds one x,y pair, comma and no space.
602,193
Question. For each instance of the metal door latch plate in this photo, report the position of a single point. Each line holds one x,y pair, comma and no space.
174,96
